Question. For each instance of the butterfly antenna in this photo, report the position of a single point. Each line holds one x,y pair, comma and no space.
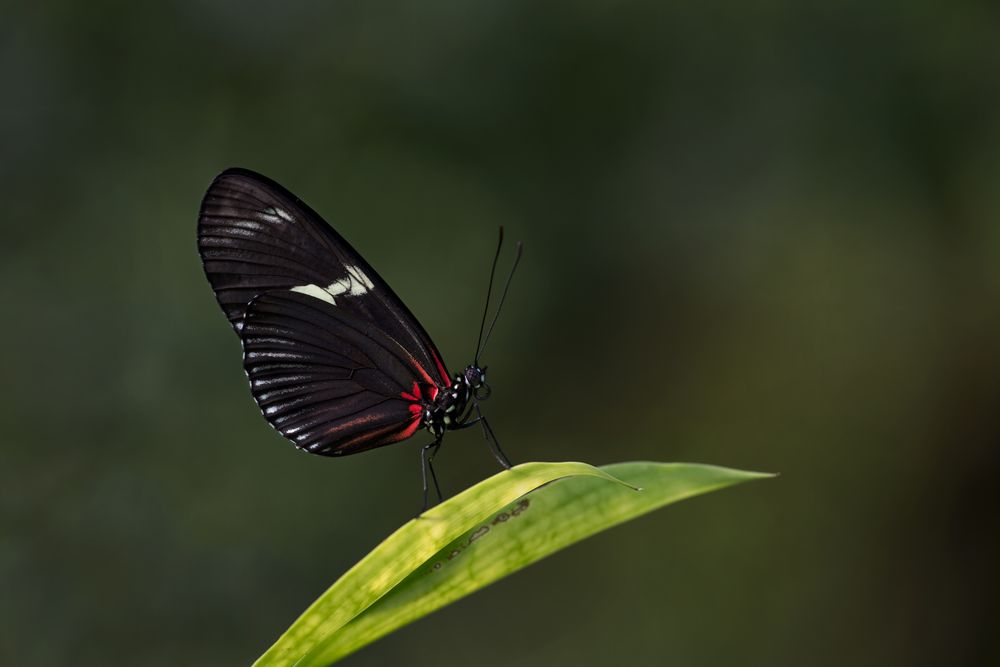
503,297
489,291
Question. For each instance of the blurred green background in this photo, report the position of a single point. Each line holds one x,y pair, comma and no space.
761,235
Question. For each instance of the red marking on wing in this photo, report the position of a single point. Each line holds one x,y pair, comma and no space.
414,395
416,364
381,436
441,369
411,429
416,409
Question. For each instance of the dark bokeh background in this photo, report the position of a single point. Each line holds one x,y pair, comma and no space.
764,235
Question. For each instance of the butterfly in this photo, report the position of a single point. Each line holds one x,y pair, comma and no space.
336,361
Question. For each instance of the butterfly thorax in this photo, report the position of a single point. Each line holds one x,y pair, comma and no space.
448,407
452,407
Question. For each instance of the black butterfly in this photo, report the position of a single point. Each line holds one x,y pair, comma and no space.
336,361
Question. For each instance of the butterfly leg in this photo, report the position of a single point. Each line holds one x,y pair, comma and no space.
427,454
491,441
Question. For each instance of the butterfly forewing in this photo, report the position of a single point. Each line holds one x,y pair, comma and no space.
336,361
327,380
254,237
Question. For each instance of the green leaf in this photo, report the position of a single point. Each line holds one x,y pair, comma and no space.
484,533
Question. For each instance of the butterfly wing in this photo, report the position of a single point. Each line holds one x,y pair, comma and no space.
327,380
254,236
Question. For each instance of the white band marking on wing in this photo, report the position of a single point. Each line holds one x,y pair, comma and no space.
316,291
355,283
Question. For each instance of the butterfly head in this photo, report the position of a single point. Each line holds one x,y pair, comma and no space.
475,377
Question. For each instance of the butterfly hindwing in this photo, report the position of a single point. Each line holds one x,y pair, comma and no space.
254,237
329,381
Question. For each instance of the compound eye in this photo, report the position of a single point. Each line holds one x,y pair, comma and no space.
474,377
483,392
